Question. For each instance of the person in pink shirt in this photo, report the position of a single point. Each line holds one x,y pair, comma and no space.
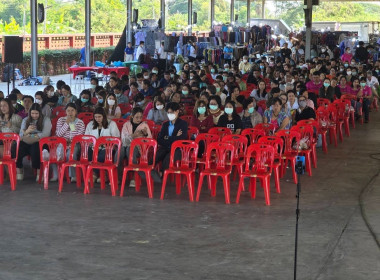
314,85
347,56
344,88
367,98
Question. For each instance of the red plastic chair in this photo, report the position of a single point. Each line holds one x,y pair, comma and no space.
147,148
344,113
306,132
262,104
86,142
155,129
110,144
192,131
120,123
218,163
189,110
267,127
253,134
186,166
291,143
94,100
323,102
57,110
375,104
351,111
278,144
85,115
150,123
124,108
239,110
315,125
336,119
259,162
8,140
206,139
52,144
54,126
220,131
187,118
325,124
240,143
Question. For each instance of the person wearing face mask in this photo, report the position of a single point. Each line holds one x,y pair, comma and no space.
121,98
187,97
304,112
9,120
113,111
17,107
52,98
41,99
275,116
171,131
84,103
220,91
157,113
201,118
366,94
347,56
250,117
101,97
327,91
245,66
310,103
67,97
215,104
94,82
230,119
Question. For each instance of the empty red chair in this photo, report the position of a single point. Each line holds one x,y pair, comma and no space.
344,112
186,166
323,102
253,134
337,119
57,147
240,143
112,146
323,117
218,163
120,123
150,123
259,162
186,118
267,127
57,110
147,149
192,132
85,115
85,142
278,144
307,135
220,131
205,139
315,125
291,144
350,110
8,139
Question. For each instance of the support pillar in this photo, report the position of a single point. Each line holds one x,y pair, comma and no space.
248,11
308,23
263,9
212,10
128,29
232,11
189,17
162,12
88,32
34,45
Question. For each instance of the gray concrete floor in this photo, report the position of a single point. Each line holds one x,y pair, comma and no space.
46,235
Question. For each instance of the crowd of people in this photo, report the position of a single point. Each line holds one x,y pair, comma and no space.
278,90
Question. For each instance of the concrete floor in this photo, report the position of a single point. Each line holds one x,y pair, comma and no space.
46,235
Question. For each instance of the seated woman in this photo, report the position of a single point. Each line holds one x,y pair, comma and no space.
250,117
41,99
113,111
67,97
343,86
100,126
201,119
234,96
102,99
260,93
304,112
276,116
9,120
68,127
52,98
230,118
176,98
33,128
220,91
309,102
187,97
173,130
215,104
84,103
157,113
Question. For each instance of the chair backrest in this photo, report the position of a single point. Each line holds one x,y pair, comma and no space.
220,156
120,123
125,108
323,117
85,115
240,143
192,130
187,118
207,139
253,134
189,110
306,131
8,140
147,149
57,110
110,144
339,112
276,142
56,146
155,129
267,127
220,131
150,123
85,142
291,140
348,96
323,102
259,158
54,126
262,104
189,152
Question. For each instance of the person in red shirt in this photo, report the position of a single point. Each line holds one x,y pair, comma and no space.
201,118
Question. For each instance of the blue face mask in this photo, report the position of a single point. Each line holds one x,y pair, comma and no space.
228,111
201,110
100,101
84,100
251,110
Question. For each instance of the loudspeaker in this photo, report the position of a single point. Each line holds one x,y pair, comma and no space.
40,13
195,18
135,15
236,17
12,49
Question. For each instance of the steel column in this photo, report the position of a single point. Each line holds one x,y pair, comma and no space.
34,46
88,31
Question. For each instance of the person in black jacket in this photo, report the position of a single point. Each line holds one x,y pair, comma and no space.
361,53
173,130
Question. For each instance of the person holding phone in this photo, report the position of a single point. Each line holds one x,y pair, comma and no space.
9,120
33,128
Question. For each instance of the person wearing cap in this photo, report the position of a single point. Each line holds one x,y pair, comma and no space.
244,66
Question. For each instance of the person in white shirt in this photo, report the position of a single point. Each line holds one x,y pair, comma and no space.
162,56
193,52
140,50
372,82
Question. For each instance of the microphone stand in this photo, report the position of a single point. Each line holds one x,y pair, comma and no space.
300,169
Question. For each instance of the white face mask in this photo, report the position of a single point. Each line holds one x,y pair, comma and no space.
171,116
39,101
160,107
146,77
51,93
110,102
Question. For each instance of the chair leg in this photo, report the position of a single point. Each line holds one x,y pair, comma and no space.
112,181
46,175
308,163
277,178
88,176
61,175
150,184
240,188
12,177
164,179
199,186
1,174
340,130
252,186
314,155
213,180
125,173
295,179
226,184
190,186
265,183
346,127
